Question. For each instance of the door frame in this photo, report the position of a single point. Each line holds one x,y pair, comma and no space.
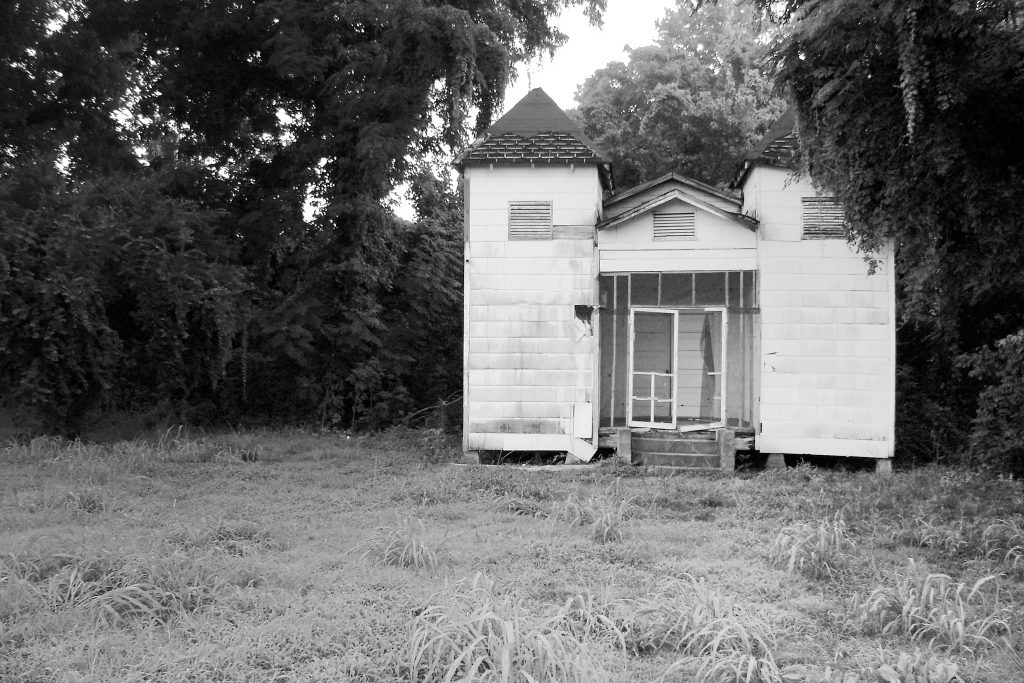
673,375
722,372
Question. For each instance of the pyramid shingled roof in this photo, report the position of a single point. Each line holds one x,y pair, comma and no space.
535,131
780,147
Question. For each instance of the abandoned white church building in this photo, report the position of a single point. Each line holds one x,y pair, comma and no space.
672,321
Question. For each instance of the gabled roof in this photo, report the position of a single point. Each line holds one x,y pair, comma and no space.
780,147
696,184
681,195
535,131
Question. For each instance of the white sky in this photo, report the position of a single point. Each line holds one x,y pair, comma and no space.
626,22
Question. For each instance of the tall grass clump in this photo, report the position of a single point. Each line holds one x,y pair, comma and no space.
242,537
473,634
907,668
403,545
719,642
816,552
117,585
933,608
924,533
688,616
1003,540
729,667
605,516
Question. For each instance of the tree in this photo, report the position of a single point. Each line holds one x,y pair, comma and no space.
248,112
694,102
913,113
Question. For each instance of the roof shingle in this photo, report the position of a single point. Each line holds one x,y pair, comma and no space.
534,131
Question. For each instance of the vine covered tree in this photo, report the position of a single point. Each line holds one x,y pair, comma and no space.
913,113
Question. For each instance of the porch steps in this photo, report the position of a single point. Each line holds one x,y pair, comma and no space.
698,450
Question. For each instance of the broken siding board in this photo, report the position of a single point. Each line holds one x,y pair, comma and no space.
573,232
519,442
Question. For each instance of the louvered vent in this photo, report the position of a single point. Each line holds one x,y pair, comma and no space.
675,226
823,219
529,220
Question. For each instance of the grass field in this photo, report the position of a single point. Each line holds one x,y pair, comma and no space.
299,557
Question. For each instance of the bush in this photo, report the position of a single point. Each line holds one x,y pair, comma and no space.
110,292
995,434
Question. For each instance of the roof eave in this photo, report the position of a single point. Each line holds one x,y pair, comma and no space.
636,189
736,217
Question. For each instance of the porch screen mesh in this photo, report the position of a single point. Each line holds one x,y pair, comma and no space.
688,293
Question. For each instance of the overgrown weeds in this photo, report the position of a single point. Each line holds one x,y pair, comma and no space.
816,552
908,668
1003,540
728,667
717,640
236,538
473,634
606,517
403,545
932,608
688,616
924,533
116,584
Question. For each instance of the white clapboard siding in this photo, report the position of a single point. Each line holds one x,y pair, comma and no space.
827,332
529,262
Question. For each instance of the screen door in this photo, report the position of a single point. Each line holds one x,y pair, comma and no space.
652,376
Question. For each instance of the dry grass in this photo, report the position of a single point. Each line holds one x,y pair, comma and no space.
405,544
815,551
195,556
473,634
932,608
1003,540
605,516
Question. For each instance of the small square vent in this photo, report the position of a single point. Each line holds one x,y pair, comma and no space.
823,219
529,220
679,225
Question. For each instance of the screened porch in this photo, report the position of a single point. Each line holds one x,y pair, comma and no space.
678,350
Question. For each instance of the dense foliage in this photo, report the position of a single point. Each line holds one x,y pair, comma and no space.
196,195
692,103
913,113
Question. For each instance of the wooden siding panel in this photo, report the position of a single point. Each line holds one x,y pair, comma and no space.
827,376
526,364
669,260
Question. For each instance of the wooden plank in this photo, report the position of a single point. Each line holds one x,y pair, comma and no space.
573,232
